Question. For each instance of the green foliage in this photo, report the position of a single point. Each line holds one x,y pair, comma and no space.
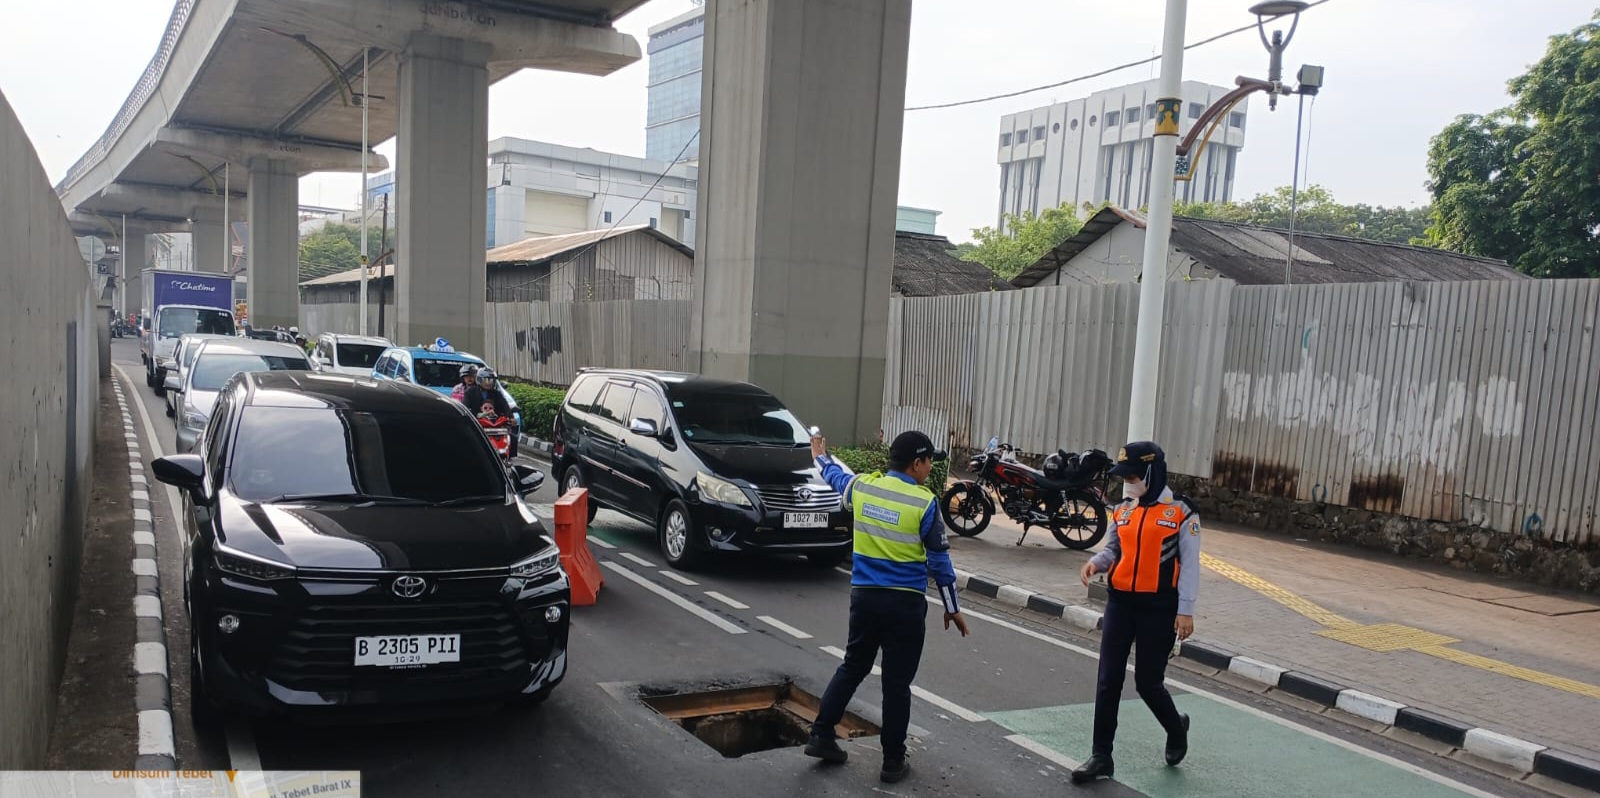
1022,242
874,458
1520,183
328,251
539,407
1317,212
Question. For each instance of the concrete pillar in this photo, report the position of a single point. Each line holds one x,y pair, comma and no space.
208,242
800,165
135,256
274,244
442,146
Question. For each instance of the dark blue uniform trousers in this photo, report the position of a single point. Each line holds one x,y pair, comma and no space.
1143,622
895,621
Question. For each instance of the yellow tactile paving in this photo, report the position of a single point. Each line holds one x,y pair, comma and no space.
1388,637
1391,636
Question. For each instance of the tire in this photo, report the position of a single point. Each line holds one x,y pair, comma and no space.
1080,523
533,700
149,376
159,382
827,559
204,712
965,510
573,478
676,536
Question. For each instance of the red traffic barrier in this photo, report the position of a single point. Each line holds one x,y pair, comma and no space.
572,538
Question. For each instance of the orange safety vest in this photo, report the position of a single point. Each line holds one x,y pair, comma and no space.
1148,537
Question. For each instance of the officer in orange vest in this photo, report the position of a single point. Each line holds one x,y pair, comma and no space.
1153,562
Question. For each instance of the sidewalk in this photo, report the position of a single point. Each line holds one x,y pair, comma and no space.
1499,655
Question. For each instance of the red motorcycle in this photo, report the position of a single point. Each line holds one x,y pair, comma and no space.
1068,496
498,429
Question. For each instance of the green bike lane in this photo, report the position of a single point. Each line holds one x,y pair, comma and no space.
1032,684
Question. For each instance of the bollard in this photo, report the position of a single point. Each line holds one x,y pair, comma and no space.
572,538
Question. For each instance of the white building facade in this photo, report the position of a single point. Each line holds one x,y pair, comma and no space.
1098,149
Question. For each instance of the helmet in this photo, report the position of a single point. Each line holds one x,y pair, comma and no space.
294,330
486,377
1055,466
467,370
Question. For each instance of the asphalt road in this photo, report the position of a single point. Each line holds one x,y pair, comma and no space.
1003,712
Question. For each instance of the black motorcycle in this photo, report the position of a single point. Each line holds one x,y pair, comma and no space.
1068,496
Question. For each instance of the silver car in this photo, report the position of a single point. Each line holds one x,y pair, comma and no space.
348,354
182,355
214,364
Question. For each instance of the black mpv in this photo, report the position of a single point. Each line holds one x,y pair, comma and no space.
351,544
712,465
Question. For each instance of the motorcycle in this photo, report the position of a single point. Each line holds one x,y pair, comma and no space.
498,429
1068,497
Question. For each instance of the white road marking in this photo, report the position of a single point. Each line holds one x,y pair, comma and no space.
146,607
155,733
681,602
150,658
845,571
602,544
783,627
1415,770
947,705
1045,753
679,578
839,652
242,752
143,567
734,603
637,560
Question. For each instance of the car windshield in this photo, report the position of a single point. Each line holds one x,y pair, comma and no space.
212,371
293,451
190,349
735,417
361,356
437,373
177,322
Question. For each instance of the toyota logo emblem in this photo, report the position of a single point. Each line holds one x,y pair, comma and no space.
409,586
805,494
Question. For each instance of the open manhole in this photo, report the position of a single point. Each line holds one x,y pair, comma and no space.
744,720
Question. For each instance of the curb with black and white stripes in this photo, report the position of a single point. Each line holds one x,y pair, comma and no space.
1519,755
152,693
544,447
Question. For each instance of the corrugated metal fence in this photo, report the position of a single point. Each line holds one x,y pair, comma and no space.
549,341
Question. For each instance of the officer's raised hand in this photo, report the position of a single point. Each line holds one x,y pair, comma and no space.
819,446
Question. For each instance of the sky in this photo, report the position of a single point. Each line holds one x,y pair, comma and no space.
1397,72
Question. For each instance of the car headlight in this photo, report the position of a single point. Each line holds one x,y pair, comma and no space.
250,567
194,420
539,564
721,490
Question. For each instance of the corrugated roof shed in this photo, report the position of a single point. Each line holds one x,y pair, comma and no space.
1255,255
923,266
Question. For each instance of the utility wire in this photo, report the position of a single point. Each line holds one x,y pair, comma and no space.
1091,76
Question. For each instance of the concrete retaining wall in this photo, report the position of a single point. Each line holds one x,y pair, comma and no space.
47,317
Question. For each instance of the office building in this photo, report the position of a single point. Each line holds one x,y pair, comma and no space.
1098,149
673,116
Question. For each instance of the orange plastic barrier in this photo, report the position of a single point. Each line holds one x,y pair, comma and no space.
572,537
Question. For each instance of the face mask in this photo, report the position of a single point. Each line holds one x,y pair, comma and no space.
1134,489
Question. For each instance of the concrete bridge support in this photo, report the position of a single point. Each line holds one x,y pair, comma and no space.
274,243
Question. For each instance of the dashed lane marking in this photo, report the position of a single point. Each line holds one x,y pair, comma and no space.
679,578
947,705
798,634
679,601
837,652
732,602
1044,752
637,560
601,543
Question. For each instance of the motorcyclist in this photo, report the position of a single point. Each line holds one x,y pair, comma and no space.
299,340
469,374
486,396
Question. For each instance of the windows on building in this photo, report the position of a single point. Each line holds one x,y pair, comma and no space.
1131,115
607,216
1236,119
1093,119
1038,133
1073,124
1195,110
1113,118
1022,136
1005,139
1150,111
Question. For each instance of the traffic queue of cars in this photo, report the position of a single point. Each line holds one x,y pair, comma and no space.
353,542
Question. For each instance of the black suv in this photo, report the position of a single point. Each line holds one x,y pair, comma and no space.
713,465
350,543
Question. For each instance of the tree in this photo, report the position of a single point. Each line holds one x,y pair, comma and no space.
1317,212
1523,183
328,251
1021,240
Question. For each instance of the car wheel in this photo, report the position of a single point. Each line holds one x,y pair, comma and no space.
204,711
572,480
678,537
149,377
160,382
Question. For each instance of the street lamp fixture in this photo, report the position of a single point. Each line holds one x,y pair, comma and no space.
1275,9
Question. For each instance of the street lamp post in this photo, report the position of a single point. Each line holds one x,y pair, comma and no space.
1172,162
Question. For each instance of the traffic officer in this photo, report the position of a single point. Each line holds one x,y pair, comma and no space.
1154,573
899,543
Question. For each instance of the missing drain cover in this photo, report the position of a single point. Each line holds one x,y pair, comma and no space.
746,720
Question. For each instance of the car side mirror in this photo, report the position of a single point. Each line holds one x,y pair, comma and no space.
529,479
172,383
186,471
644,427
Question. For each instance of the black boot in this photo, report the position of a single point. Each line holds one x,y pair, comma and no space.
1178,744
894,769
826,749
1099,766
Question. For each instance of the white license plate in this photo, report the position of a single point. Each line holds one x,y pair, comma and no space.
400,650
805,520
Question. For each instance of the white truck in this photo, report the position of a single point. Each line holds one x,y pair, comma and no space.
175,304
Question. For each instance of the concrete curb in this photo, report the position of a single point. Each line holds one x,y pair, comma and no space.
1521,755
153,685
525,442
